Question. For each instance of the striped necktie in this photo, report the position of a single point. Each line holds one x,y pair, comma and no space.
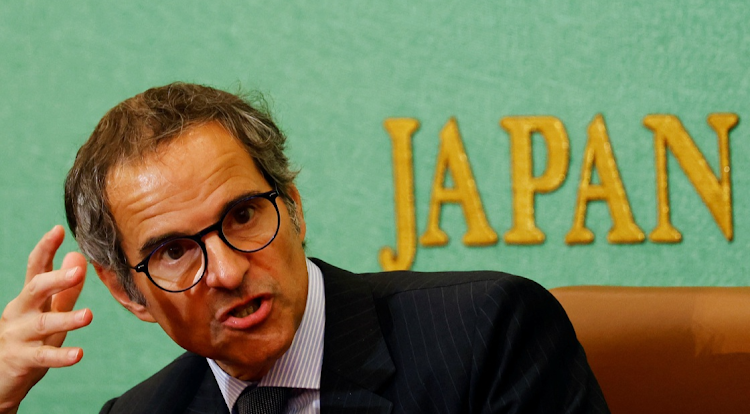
262,400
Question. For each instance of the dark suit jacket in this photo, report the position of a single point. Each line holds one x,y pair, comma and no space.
406,342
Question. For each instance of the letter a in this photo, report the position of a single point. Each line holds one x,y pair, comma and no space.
599,153
452,158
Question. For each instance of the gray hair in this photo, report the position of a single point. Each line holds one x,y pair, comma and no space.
136,128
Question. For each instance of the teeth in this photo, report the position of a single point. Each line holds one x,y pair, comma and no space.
248,309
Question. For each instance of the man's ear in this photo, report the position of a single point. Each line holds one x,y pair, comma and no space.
294,194
109,278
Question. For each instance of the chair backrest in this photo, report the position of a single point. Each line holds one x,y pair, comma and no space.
665,349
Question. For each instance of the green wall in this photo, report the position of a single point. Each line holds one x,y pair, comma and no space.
334,71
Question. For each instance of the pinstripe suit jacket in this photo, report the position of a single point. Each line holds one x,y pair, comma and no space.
405,342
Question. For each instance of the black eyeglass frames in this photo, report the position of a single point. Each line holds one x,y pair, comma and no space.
249,224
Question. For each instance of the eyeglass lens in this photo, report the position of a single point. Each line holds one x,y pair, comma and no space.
248,226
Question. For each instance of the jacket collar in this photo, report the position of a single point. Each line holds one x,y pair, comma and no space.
356,361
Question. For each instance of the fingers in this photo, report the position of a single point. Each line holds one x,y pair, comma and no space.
73,259
31,344
53,357
33,326
76,320
40,259
23,368
49,323
42,287
43,357
66,299
46,327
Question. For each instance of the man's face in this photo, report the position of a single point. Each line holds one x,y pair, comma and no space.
180,190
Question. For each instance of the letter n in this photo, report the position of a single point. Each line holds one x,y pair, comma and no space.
716,192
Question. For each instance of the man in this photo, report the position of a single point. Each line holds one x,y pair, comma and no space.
184,201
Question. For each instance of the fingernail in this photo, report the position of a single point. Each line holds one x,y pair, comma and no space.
71,273
73,354
80,315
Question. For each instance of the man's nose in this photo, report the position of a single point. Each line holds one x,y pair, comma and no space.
226,267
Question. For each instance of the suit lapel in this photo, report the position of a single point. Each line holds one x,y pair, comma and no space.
356,361
187,383
208,398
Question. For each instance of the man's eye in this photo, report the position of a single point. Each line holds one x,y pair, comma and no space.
243,214
174,252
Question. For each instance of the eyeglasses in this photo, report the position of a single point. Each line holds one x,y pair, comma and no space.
249,225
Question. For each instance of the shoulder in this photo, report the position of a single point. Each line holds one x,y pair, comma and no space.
171,385
487,302
467,289
390,283
489,290
489,307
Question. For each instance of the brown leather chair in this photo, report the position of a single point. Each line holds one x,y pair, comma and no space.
665,349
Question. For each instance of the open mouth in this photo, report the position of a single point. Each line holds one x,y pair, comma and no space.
248,309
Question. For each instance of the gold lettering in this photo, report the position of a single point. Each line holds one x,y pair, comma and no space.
599,153
401,130
452,158
524,184
715,192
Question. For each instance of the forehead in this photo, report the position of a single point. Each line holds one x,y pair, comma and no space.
184,184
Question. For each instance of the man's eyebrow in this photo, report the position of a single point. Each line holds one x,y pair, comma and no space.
153,242
229,204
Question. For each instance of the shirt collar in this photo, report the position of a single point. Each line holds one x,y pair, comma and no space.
300,366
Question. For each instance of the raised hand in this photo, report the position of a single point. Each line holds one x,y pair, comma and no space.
34,324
